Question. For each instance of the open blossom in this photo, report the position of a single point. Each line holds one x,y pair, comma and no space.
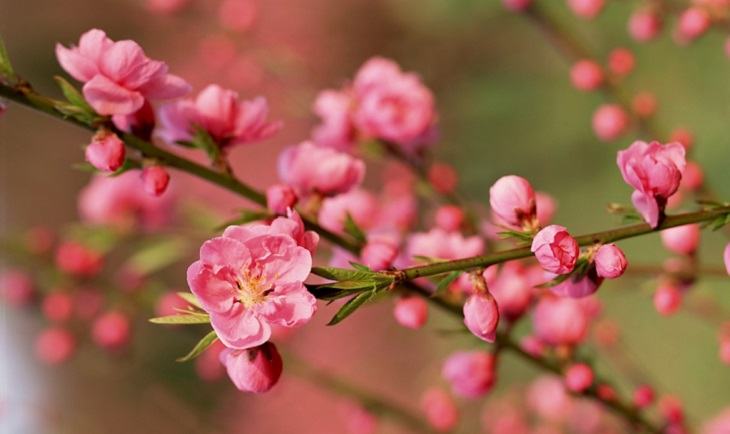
360,204
654,171
105,152
393,105
219,112
555,250
251,279
254,370
337,129
560,321
471,374
309,168
513,200
440,244
610,261
481,316
118,76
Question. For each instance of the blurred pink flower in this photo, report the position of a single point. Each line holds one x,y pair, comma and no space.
578,377
682,240
16,287
586,75
313,169
57,306
440,410
208,365
471,374
360,204
667,298
55,345
449,217
118,76
279,198
78,260
512,290
587,9
644,24
440,244
610,121
112,330
560,321
170,303
254,370
337,129
720,424
379,252
411,311
726,258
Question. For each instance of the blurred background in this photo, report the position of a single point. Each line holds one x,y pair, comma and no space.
505,106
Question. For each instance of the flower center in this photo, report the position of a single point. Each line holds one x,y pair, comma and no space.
251,289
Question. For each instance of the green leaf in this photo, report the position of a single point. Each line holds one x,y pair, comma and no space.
445,282
522,236
351,306
6,68
203,140
190,298
191,318
73,95
340,274
201,346
360,267
352,229
157,255
247,216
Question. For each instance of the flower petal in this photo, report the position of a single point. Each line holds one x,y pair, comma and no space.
240,328
215,291
108,98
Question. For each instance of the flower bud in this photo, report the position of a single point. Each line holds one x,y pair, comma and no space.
379,253
644,25
449,218
471,374
481,316
16,288
578,377
443,178
440,410
111,330
78,260
105,152
692,24
513,200
279,198
411,312
682,240
586,75
155,180
672,409
610,261
255,370
643,396
667,299
57,306
610,122
644,104
555,250
587,9
621,61
54,346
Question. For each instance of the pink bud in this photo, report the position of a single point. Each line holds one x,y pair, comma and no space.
443,177
621,61
578,377
692,24
610,122
379,253
449,218
610,261
586,75
155,180
78,260
513,200
111,330
471,374
279,198
644,105
606,392
587,9
684,136
440,410
672,409
555,250
16,288
170,303
560,321
411,312
255,370
517,5
57,306
667,299
726,258
643,396
682,240
481,316
644,25
105,152
54,346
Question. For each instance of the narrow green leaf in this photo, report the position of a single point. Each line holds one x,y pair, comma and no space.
351,306
201,346
445,282
190,298
360,267
353,230
6,68
73,95
522,236
340,274
204,141
191,318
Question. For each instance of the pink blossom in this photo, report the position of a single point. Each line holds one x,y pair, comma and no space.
578,285
105,152
111,331
682,240
548,398
118,76
279,198
411,312
513,200
170,303
16,288
655,171
313,169
610,261
610,121
555,250
588,9
578,377
560,321
481,316
720,424
443,177
155,180
360,204
471,374
440,410
726,258
219,112
256,369
643,396
621,61
393,105
237,15
586,75
122,202
57,306
644,25
512,290
78,260
692,24
517,5
449,217
337,129
667,298
55,345
140,123
379,253
250,279
440,244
